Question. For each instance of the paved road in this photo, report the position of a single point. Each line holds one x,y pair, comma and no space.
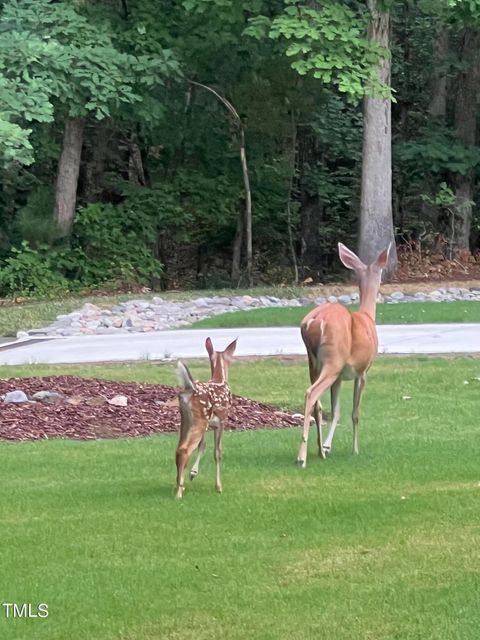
395,339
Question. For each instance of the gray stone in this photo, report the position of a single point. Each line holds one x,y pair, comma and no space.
332,299
397,295
48,397
118,401
22,335
345,299
90,309
13,397
201,302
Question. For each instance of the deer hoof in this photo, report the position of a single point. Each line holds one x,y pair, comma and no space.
180,492
301,463
193,474
218,489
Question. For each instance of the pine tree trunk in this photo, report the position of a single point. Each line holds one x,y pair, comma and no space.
465,132
376,222
67,175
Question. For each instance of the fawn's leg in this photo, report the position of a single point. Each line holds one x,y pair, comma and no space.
201,451
218,457
184,451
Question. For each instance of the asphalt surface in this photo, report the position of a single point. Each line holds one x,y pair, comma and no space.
171,345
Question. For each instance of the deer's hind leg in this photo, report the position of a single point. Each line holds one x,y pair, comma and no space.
325,380
218,431
201,450
335,397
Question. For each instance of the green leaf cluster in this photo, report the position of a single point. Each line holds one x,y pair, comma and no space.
328,42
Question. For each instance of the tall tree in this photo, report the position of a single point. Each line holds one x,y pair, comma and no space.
465,127
376,222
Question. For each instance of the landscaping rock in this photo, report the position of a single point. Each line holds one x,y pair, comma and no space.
48,397
158,314
15,397
118,401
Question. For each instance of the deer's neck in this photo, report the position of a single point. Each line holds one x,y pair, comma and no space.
219,370
368,298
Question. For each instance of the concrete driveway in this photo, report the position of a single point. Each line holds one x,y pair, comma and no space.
162,345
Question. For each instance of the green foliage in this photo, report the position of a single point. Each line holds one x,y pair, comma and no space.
35,222
52,56
328,42
436,151
112,245
31,272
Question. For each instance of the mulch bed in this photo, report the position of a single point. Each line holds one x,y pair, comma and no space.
148,411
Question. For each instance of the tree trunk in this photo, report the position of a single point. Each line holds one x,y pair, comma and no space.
376,222
136,171
96,142
67,175
438,91
293,167
248,207
311,211
247,224
237,251
465,133
437,109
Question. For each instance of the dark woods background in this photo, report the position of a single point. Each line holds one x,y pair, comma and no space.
118,170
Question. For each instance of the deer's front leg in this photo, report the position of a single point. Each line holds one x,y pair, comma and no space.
218,431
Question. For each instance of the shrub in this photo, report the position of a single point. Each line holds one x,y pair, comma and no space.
31,272
112,244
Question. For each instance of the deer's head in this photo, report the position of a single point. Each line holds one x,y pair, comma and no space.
220,360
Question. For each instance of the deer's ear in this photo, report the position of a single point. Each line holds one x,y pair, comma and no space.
349,259
209,346
381,261
230,350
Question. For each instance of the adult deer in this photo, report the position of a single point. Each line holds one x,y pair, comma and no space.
341,345
203,404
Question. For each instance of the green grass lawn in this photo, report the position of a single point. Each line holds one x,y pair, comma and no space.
383,546
402,313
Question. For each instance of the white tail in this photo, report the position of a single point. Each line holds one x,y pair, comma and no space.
203,404
341,345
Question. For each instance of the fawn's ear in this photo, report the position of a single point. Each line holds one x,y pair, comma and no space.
209,347
382,259
230,350
349,259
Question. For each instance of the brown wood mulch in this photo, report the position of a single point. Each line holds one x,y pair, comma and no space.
85,414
